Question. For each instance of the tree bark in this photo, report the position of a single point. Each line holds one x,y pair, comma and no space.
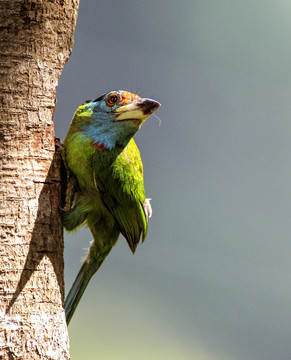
36,38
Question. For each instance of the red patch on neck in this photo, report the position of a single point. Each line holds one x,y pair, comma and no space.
98,146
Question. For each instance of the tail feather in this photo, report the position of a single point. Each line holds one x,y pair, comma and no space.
87,270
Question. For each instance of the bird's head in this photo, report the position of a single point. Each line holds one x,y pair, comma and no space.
113,118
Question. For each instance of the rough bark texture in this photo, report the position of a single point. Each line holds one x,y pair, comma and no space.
36,38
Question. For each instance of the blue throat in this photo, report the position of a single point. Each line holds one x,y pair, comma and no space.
110,134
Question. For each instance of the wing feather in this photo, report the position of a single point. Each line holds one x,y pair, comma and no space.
122,191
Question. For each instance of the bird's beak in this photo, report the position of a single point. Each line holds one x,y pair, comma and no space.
137,111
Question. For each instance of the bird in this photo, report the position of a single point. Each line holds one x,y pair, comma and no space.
108,195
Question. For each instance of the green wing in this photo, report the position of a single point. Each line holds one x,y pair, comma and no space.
122,191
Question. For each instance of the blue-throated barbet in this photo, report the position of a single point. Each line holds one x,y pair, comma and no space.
109,195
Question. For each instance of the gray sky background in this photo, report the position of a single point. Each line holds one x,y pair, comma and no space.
213,279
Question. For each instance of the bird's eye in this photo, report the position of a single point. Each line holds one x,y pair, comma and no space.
112,99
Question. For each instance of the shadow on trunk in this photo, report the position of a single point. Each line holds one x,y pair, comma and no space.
47,232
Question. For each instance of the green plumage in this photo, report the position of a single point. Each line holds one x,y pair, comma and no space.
109,196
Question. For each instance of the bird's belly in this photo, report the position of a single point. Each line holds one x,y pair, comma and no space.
97,211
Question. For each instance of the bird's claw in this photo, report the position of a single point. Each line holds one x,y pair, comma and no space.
147,209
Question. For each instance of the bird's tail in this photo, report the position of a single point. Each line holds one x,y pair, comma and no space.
88,269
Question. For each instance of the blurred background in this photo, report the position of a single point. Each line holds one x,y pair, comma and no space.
213,279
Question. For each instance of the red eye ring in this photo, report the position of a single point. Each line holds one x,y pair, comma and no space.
112,99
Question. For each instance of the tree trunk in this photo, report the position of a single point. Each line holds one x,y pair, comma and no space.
36,38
